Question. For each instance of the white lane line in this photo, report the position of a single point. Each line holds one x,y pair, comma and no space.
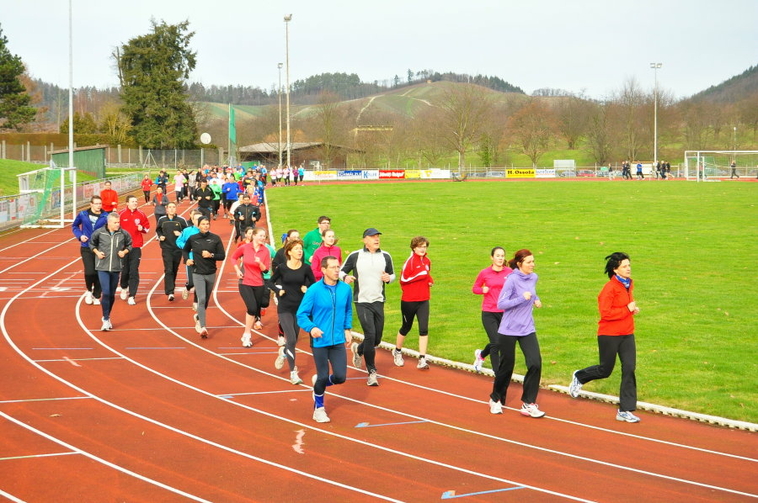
101,460
32,456
25,400
18,350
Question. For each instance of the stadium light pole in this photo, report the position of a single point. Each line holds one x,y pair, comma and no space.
287,20
655,67
279,94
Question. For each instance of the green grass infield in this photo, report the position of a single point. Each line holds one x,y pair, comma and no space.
694,253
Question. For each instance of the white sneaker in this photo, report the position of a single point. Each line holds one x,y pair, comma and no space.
531,410
198,326
281,341
295,378
372,379
185,294
194,306
88,298
110,325
131,301
627,416
398,356
171,297
575,387
106,325
422,364
247,341
495,407
356,356
203,333
279,363
478,360
95,302
124,294
319,415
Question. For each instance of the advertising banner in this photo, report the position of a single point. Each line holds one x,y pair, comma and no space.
391,174
520,173
545,172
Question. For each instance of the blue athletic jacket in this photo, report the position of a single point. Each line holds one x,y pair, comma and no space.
82,225
328,308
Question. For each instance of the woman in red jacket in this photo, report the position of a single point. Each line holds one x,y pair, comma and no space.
415,281
615,336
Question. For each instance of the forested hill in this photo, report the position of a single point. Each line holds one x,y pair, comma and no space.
345,86
732,90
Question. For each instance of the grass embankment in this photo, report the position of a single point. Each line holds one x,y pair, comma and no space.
693,249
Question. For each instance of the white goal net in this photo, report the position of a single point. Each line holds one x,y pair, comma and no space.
703,165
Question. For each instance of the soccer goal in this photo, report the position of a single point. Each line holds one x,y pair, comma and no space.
44,193
705,165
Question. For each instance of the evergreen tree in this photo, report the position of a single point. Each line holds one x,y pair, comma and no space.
153,69
14,100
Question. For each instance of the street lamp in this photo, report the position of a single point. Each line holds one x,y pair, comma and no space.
279,93
287,20
655,67
734,139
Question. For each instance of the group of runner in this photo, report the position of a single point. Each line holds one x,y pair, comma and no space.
311,283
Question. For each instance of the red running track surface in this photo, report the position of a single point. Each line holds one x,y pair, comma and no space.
150,412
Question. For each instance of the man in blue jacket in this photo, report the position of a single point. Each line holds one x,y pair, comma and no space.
326,314
85,223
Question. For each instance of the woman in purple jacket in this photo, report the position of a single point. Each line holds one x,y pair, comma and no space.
517,299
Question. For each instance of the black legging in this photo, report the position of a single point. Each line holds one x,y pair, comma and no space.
418,309
506,344
371,316
491,322
91,279
252,296
609,346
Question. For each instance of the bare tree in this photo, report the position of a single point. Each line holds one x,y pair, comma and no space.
532,128
573,119
599,133
631,120
465,113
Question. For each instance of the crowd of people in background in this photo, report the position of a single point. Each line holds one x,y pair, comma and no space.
312,284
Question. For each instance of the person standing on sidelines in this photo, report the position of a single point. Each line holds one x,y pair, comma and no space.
489,283
206,249
109,197
256,259
290,281
518,297
135,222
110,244
371,270
85,223
313,239
416,282
326,314
615,336
168,230
328,247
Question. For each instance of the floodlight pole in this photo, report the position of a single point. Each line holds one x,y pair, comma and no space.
655,67
287,20
279,94
70,115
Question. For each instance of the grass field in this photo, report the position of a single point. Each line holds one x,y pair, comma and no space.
693,249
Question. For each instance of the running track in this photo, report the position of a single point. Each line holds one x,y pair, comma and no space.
150,412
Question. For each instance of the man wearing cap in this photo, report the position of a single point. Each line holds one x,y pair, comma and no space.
370,269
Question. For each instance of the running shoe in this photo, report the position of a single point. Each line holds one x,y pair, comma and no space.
95,302
495,407
478,360
185,294
531,410
171,297
124,294
203,333
575,387
106,325
356,356
131,301
198,327
279,363
319,415
280,341
372,379
258,325
398,356
295,377
247,341
194,306
88,298
625,415
422,364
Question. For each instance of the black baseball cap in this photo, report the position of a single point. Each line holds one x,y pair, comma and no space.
371,232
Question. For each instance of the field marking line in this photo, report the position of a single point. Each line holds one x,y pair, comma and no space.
101,460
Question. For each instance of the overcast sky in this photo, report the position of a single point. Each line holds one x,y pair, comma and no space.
589,46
